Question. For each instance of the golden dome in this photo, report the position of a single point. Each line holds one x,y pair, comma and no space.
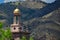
16,11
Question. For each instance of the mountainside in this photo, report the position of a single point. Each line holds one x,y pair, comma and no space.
45,27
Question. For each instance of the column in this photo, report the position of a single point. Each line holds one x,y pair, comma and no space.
14,20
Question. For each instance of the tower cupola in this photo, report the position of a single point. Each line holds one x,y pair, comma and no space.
16,12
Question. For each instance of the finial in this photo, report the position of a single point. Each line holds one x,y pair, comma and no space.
16,11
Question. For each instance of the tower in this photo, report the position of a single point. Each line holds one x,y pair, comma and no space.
16,26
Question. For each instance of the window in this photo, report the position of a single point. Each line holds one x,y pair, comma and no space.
14,28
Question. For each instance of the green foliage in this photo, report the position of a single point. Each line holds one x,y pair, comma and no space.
31,38
23,38
5,34
8,34
1,25
2,34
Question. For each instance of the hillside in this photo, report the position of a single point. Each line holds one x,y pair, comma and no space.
40,27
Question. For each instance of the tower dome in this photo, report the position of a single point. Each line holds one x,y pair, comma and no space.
16,11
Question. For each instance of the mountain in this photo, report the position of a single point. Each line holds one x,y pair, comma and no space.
41,27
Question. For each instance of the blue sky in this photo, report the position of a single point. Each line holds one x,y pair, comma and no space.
1,1
47,1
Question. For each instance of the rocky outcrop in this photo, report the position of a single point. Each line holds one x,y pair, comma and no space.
41,28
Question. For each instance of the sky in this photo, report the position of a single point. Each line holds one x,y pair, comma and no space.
1,1
47,1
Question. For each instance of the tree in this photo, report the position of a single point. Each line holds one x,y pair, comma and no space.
5,34
23,38
31,38
1,25
8,34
